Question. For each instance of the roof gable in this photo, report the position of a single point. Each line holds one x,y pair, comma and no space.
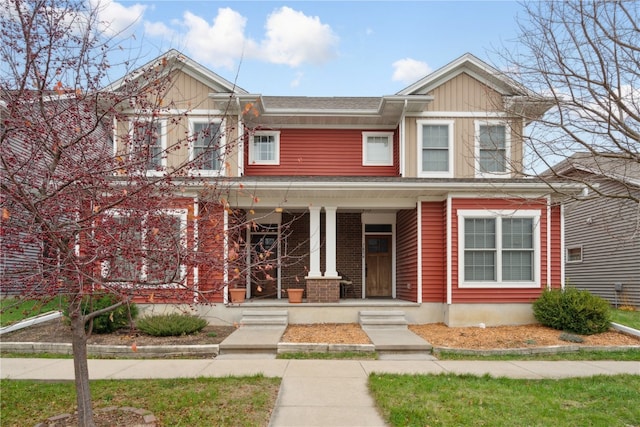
174,60
475,68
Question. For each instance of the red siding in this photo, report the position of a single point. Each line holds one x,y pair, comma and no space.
322,152
407,255
502,294
434,260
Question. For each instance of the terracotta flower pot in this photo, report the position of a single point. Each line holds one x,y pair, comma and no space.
237,295
295,295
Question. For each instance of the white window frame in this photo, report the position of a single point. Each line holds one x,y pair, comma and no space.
105,266
498,215
221,149
365,149
163,141
253,160
507,143
575,261
428,174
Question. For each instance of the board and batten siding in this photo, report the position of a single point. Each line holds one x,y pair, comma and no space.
321,152
186,95
407,255
501,294
460,96
607,231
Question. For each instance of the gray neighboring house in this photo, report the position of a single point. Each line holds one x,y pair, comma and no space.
602,233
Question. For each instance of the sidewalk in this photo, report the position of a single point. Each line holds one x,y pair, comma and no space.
313,392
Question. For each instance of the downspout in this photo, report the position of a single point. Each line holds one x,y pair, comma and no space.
402,138
562,248
549,242
449,270
419,208
240,141
196,244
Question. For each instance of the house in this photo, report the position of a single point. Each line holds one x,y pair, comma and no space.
602,227
413,200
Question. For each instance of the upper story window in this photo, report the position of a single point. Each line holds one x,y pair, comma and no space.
264,148
498,249
208,146
149,143
377,148
493,144
435,148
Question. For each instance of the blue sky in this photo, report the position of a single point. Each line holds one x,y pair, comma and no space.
316,48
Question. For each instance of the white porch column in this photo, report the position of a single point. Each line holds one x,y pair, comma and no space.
330,241
314,242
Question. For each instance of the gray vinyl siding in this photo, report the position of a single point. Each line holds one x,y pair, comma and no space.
607,230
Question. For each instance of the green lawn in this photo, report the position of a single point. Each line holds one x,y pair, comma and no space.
450,400
14,309
206,402
627,318
619,355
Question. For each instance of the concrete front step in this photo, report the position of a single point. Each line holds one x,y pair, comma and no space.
261,318
383,319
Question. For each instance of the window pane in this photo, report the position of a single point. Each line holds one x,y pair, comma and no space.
574,254
435,148
164,246
206,146
493,152
264,148
147,136
517,265
479,233
479,266
435,160
378,149
517,233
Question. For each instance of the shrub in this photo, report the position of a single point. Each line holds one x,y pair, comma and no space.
166,325
572,310
108,322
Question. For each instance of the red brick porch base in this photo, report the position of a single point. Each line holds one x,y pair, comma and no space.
321,289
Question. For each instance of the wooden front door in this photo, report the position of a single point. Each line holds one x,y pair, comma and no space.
378,266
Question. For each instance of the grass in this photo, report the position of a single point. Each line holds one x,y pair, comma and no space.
356,355
618,355
466,400
227,401
13,310
626,318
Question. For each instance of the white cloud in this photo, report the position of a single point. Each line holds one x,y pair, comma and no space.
293,38
409,70
219,44
115,18
158,29
296,81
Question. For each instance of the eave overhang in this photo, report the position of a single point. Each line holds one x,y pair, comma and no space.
260,111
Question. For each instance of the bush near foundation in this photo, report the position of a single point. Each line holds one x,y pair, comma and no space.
572,310
170,325
108,322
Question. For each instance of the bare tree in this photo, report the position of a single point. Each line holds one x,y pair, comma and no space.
81,214
584,58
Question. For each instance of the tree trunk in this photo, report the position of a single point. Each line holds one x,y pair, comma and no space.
81,369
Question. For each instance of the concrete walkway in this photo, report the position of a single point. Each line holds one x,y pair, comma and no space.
313,392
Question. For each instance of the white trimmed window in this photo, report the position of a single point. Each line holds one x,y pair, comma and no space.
207,146
150,249
264,148
149,144
377,148
574,254
498,249
435,148
492,148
